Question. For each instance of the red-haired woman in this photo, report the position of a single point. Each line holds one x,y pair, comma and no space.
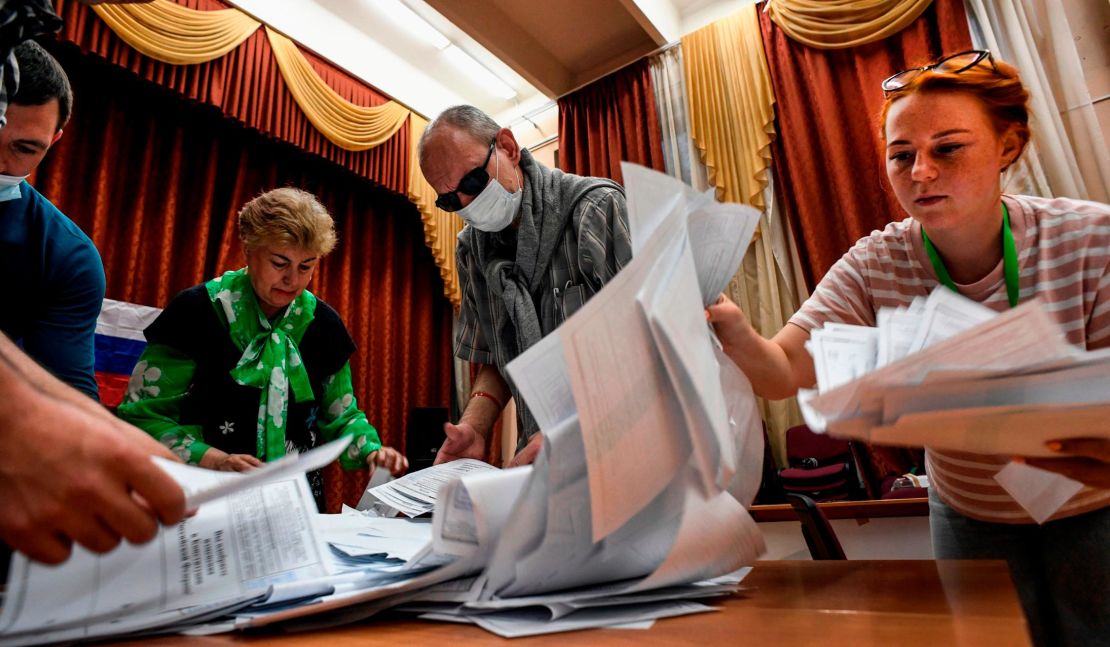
951,128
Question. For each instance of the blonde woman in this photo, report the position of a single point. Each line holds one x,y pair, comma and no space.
250,365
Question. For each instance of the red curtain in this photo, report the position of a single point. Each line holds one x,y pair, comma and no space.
247,85
156,182
610,121
830,174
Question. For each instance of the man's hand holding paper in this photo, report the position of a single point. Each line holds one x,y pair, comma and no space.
463,441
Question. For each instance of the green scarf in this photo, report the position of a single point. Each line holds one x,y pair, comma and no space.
271,360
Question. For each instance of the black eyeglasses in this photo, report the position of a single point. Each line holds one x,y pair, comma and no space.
471,184
953,64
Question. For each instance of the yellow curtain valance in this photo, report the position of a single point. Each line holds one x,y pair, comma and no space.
347,125
441,228
728,87
175,34
172,33
835,24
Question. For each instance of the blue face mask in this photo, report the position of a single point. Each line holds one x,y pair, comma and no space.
9,187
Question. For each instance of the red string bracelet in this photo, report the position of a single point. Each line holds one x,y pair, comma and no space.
492,398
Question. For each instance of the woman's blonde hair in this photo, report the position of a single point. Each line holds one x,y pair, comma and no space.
287,217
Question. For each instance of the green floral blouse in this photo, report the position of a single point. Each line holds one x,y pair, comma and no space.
271,361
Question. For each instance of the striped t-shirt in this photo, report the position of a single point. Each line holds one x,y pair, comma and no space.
1064,259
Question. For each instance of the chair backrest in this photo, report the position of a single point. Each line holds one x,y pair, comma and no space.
818,532
802,444
423,435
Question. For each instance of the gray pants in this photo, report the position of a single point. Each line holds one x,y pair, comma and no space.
1061,569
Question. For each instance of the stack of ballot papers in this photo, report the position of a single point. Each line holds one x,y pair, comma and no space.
634,510
947,373
415,494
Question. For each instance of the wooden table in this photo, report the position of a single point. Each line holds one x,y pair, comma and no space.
791,603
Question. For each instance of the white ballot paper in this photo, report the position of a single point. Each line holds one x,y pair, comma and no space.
363,536
981,382
627,407
1017,338
227,482
416,493
842,353
473,510
240,544
1039,491
631,487
719,232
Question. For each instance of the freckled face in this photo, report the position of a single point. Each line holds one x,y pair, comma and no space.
944,159
279,274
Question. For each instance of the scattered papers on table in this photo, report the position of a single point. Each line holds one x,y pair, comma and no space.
634,509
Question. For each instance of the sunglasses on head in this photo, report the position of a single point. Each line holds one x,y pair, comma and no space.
471,184
953,64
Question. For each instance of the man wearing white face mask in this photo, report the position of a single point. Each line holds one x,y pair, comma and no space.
51,265
538,244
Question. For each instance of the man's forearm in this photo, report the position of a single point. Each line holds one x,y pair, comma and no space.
482,412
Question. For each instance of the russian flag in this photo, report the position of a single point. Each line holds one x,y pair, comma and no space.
119,342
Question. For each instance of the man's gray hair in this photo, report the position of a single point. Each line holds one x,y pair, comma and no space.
468,119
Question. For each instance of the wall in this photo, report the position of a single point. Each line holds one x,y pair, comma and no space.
546,154
883,538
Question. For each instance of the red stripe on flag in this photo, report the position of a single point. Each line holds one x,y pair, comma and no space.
112,388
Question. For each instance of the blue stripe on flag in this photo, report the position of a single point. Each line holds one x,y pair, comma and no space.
116,354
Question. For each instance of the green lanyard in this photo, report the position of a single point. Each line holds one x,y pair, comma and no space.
1009,260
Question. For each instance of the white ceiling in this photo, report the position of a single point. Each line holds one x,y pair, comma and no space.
541,48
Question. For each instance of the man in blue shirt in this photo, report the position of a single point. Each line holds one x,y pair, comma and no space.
70,472
54,273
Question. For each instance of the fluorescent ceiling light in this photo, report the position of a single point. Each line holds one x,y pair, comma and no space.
478,72
413,23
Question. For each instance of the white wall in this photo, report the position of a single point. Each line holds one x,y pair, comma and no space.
883,538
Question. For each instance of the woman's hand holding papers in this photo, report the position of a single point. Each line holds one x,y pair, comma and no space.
389,458
729,322
776,367
215,459
1087,460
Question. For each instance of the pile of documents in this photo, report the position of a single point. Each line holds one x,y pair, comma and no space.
415,494
948,373
634,510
